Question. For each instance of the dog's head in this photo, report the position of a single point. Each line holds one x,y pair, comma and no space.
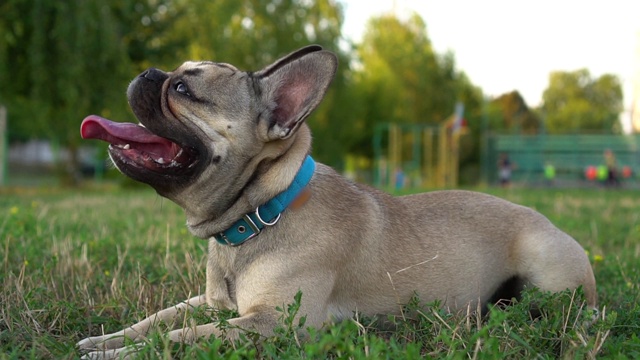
206,127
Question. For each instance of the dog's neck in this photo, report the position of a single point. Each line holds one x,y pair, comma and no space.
269,213
272,172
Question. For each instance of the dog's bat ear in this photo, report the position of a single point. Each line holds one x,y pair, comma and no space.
293,86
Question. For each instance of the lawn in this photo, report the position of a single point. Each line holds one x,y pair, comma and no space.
82,262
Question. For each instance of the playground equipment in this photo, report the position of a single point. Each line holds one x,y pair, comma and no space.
418,155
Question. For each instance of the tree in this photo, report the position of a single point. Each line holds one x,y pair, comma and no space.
511,113
147,30
575,101
401,79
59,58
407,80
253,33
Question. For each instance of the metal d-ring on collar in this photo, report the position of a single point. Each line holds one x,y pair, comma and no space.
265,223
268,214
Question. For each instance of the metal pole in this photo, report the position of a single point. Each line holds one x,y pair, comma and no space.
3,145
484,145
377,154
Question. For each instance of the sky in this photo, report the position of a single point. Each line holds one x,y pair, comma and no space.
514,45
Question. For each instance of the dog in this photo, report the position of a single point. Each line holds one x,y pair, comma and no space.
233,150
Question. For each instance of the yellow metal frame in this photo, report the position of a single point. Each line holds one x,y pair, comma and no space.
440,153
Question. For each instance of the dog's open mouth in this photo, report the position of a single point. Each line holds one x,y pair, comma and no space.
134,145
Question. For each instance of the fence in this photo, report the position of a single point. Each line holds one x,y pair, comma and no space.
570,156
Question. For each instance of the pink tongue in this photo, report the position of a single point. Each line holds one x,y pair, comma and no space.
96,127
115,133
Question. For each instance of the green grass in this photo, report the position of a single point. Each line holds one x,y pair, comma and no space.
79,263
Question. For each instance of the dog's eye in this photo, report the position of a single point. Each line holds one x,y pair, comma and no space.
182,88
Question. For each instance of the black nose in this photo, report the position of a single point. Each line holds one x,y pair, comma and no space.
154,74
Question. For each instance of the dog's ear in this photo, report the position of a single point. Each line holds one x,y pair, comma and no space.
292,87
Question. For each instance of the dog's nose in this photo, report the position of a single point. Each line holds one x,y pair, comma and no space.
153,74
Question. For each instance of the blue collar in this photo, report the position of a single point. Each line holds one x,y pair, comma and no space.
267,214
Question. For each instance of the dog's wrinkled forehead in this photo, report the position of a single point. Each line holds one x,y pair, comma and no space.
202,67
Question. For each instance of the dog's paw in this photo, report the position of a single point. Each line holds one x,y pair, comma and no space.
127,352
595,317
103,342
88,344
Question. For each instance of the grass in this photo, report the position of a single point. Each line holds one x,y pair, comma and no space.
79,263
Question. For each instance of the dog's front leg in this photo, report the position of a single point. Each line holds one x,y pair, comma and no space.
109,346
262,322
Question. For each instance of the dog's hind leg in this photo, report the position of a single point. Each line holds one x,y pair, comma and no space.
553,261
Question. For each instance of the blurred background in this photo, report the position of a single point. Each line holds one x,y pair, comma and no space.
429,94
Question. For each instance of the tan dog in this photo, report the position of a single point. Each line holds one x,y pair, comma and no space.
222,143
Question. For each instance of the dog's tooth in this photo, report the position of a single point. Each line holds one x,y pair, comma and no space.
127,147
160,161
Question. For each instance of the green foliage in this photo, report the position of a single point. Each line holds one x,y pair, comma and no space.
511,332
399,78
575,101
510,113
58,58
253,33
414,84
79,263
147,33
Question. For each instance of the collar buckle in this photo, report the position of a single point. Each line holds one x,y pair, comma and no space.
254,227
255,230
